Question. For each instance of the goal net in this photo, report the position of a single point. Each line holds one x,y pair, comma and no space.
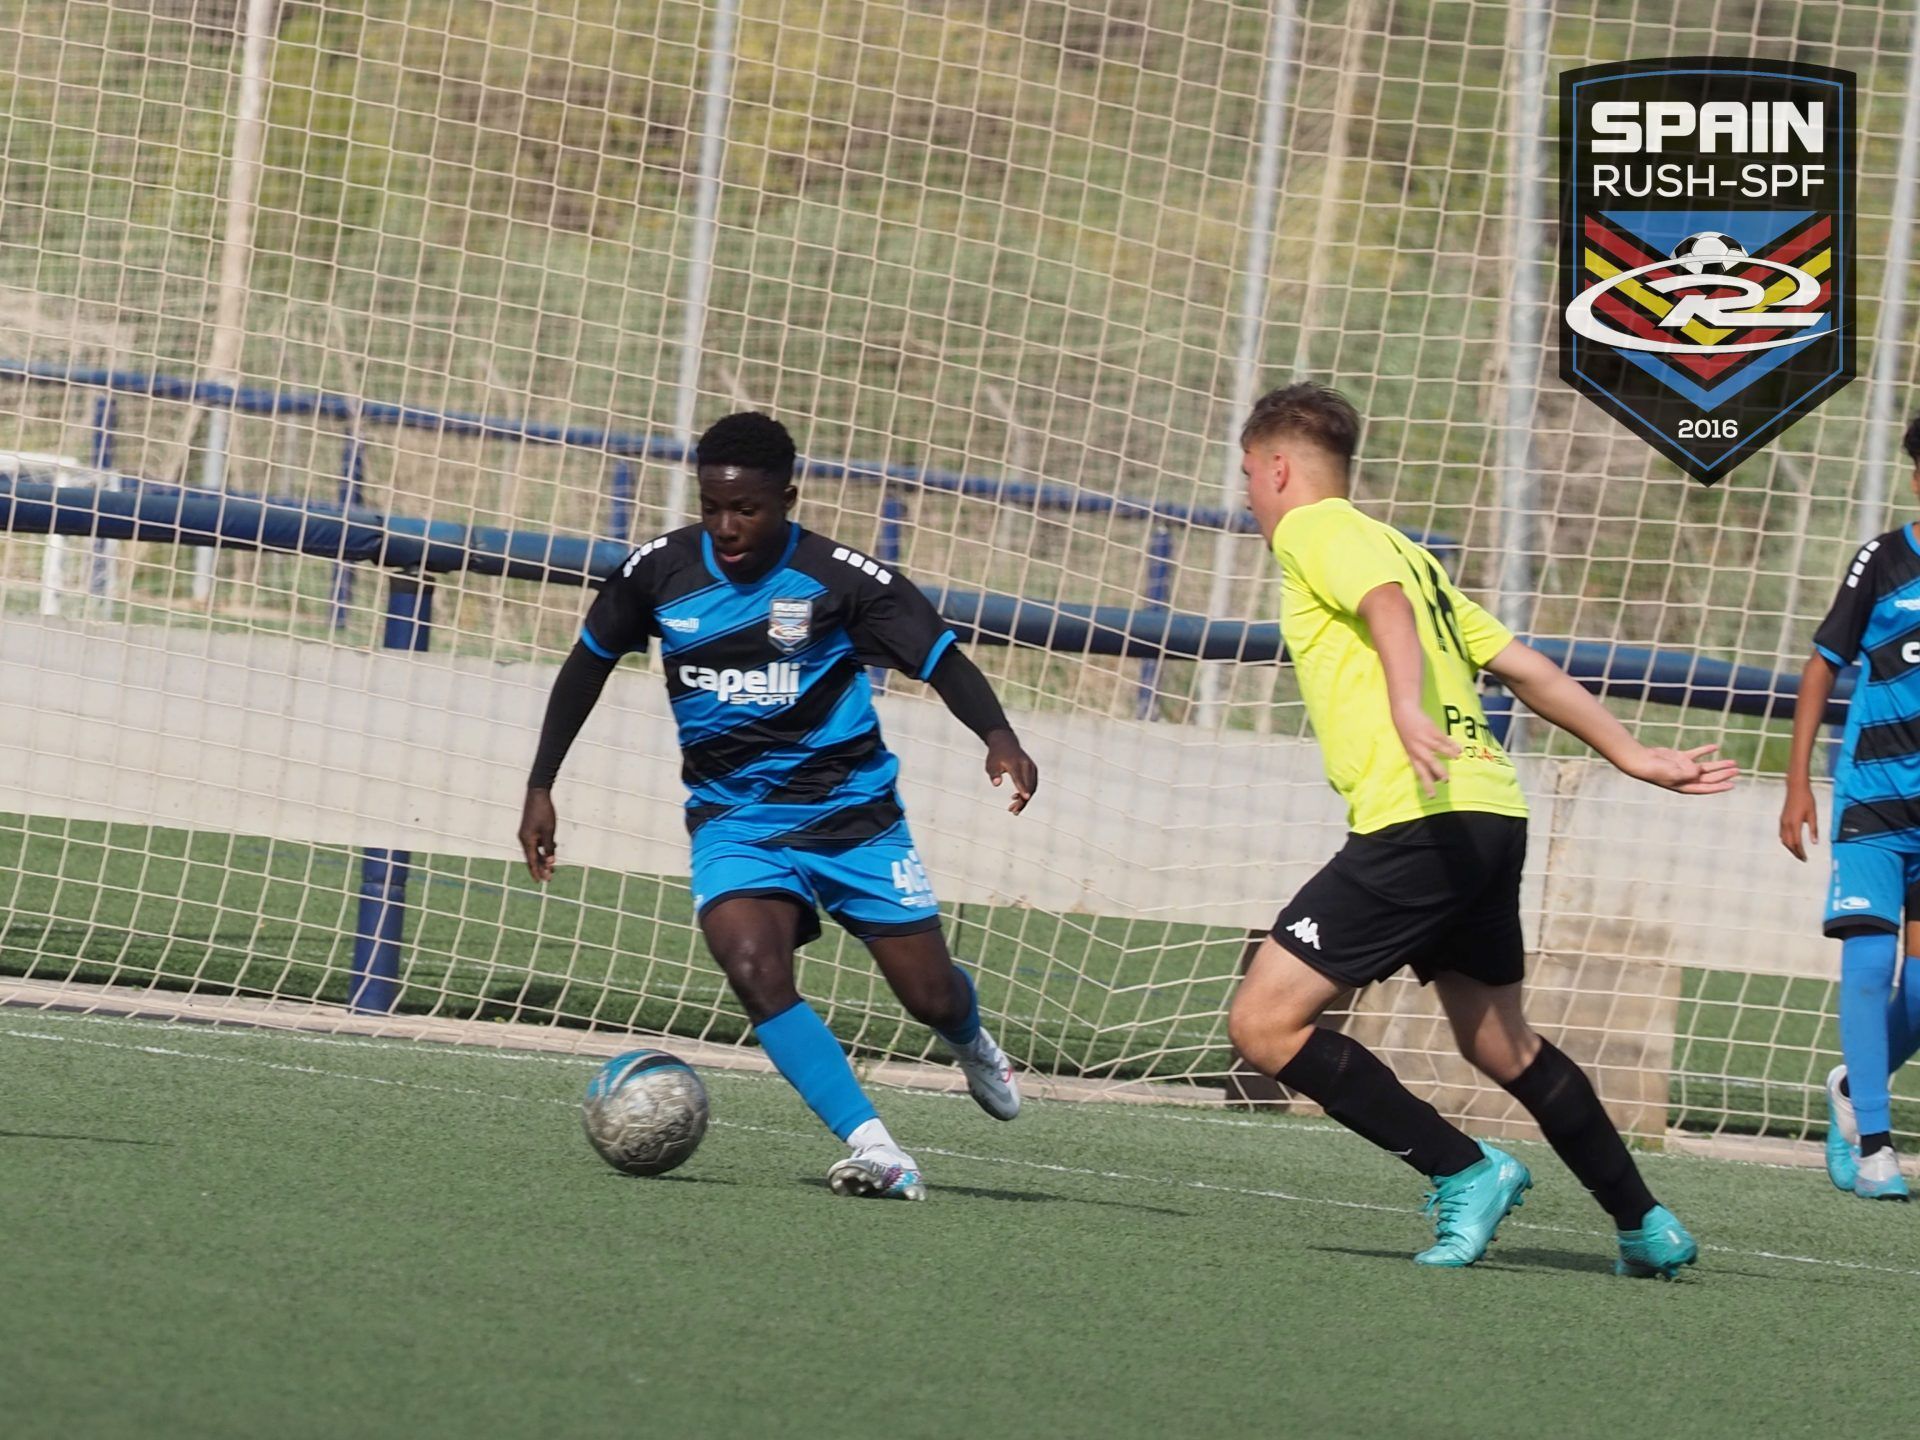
998,266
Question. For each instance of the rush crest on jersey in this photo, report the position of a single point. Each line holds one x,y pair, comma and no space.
1875,622
778,736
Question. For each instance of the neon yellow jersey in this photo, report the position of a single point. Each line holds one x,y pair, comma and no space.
1333,555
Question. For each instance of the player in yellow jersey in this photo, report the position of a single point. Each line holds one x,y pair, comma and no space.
1386,652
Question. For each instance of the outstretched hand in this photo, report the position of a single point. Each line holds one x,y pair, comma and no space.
1687,772
537,824
1007,761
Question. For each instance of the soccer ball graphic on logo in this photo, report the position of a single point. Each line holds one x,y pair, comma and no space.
645,1112
1709,253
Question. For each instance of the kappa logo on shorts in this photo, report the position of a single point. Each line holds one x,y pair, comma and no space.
1706,249
790,623
1853,902
1306,930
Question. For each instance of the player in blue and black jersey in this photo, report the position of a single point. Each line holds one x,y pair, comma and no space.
765,632
1875,622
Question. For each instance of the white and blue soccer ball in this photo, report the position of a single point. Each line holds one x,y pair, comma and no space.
645,1112
1708,252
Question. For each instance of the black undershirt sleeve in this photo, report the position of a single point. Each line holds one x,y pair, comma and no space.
575,691
958,681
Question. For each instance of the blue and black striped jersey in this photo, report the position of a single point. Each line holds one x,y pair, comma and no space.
1875,620
779,740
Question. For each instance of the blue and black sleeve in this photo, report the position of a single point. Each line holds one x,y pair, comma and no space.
1838,638
895,625
621,619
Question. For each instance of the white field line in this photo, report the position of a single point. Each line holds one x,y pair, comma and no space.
1119,1176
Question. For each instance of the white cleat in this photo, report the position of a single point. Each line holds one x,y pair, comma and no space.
879,1173
1843,1115
989,1076
1879,1177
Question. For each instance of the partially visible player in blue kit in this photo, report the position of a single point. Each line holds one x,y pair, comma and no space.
765,632
1875,621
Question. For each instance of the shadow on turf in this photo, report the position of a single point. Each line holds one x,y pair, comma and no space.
673,1179
1519,1257
1503,1256
1031,1197
84,1139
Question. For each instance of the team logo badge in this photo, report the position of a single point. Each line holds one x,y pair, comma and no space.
790,623
1706,249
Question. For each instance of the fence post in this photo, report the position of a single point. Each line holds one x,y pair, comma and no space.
1210,710
100,553
886,549
353,471
1159,592
1518,579
379,927
620,513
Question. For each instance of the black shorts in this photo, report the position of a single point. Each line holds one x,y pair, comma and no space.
1439,893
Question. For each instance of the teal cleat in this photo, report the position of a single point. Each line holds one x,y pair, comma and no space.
1657,1249
1468,1207
1843,1133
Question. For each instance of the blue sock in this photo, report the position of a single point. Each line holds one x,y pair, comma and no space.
967,1029
1866,980
803,1049
1903,1015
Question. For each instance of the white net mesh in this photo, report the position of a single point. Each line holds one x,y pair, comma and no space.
993,251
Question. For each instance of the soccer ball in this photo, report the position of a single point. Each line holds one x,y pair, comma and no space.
1709,253
645,1112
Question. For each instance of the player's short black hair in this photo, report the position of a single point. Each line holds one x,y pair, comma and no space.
748,440
1911,444
1314,412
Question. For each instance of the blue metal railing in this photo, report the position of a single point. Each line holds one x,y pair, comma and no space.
355,412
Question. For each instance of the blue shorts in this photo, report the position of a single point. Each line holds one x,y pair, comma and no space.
875,888
1870,885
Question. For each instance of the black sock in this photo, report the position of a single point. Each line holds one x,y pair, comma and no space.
1351,1084
1879,1140
1561,1100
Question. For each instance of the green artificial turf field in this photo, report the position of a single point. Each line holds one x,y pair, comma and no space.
225,1232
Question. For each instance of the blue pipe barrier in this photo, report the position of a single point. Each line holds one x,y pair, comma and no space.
99,566
351,411
380,924
1666,677
620,511
378,930
179,515
1159,592
1498,704
887,550
409,613
172,515
352,473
